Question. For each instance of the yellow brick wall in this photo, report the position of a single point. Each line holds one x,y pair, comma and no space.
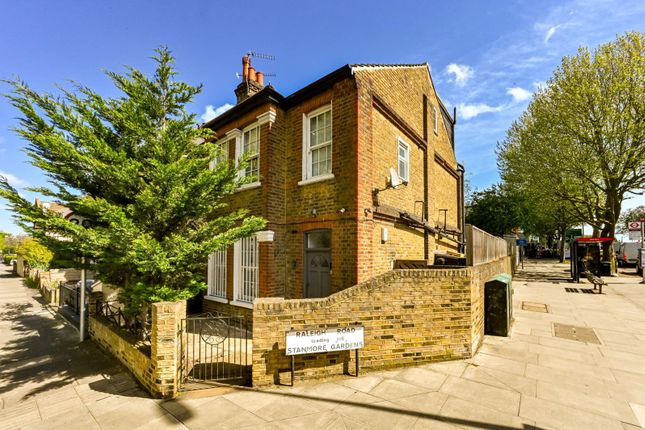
405,91
157,372
138,363
409,316
385,140
404,243
443,196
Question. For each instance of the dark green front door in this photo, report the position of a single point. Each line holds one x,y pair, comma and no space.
317,263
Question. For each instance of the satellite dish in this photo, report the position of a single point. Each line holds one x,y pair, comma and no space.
395,179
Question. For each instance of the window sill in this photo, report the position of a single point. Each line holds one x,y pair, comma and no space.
315,179
250,186
216,299
242,304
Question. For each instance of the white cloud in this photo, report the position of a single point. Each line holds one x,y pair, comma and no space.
467,111
13,180
550,32
212,112
519,94
462,73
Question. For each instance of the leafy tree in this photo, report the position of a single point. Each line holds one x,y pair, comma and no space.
11,242
136,167
35,254
582,137
2,240
502,208
495,210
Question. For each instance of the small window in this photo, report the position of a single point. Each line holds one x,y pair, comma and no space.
404,160
435,115
247,274
319,239
217,274
251,148
318,143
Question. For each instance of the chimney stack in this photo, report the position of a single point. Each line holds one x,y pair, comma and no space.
252,81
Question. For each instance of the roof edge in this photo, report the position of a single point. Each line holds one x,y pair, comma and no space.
267,94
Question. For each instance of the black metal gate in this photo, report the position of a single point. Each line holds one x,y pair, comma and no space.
216,347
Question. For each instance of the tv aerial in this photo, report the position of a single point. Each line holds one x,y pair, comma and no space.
260,56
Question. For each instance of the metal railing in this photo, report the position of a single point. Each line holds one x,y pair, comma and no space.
482,247
135,325
69,296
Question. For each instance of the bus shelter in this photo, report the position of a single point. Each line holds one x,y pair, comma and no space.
591,253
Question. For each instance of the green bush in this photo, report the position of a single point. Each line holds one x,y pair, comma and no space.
35,254
8,257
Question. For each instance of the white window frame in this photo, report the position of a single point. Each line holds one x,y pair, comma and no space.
307,177
402,144
246,274
224,144
435,114
240,149
217,275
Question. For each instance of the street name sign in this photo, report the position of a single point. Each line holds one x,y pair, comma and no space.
325,340
521,242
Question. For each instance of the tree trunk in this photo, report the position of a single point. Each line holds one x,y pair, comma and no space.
562,230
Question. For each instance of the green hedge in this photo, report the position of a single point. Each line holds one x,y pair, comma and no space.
8,257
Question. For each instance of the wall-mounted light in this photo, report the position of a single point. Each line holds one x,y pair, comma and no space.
342,210
384,234
314,212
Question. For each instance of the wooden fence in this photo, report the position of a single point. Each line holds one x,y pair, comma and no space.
482,247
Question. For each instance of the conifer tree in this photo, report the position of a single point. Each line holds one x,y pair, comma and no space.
137,168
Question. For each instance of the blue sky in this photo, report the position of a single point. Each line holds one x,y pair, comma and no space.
486,57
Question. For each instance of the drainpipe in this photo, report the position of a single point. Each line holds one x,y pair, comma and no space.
426,241
461,216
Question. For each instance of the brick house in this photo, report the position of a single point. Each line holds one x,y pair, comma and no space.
327,159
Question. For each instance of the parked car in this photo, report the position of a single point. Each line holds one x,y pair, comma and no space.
628,253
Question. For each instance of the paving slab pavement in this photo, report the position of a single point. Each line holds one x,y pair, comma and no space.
530,380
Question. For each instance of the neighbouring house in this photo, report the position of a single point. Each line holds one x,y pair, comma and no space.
356,172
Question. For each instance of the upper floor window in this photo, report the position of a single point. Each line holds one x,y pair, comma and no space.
435,115
222,154
251,148
317,143
404,160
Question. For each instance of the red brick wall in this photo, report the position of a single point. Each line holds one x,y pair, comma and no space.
364,147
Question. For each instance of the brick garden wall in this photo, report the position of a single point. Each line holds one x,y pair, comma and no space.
480,274
410,316
158,373
49,282
138,363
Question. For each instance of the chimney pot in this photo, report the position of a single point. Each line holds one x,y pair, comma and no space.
260,78
245,68
252,76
